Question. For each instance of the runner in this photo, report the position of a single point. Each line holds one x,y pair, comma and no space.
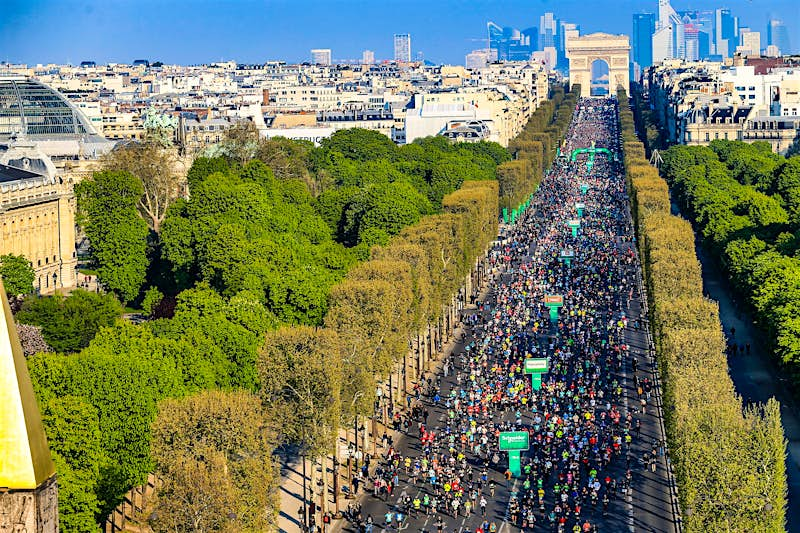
581,434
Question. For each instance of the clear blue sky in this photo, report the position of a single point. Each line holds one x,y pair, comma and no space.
200,31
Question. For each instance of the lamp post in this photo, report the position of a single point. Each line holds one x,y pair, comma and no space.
379,406
305,499
357,395
391,395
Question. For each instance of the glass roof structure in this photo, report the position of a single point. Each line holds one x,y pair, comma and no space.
35,110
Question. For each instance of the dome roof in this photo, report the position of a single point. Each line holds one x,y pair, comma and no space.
32,110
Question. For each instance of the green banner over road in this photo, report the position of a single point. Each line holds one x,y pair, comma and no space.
536,365
514,442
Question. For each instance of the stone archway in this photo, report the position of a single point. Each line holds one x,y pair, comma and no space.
585,50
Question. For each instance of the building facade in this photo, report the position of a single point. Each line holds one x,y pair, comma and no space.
37,221
644,24
699,102
321,56
402,47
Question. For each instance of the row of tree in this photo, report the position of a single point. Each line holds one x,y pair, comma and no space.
745,201
535,147
259,245
385,321
728,459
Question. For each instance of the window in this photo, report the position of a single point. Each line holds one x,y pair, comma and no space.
726,135
716,135
707,135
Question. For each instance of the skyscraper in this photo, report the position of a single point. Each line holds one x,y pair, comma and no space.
668,38
691,37
321,56
644,24
749,42
564,29
726,32
367,57
402,47
778,35
548,31
531,36
480,58
510,44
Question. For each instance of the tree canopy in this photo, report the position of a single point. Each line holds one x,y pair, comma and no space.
728,460
69,323
108,212
17,274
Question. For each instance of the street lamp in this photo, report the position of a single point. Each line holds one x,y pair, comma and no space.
378,406
357,395
379,395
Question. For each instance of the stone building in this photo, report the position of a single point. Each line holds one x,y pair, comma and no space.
37,218
46,143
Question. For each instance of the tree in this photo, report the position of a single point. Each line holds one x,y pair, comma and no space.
73,434
202,167
213,453
360,145
389,207
17,275
300,370
156,169
70,323
152,300
108,212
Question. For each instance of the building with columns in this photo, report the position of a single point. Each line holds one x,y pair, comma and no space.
37,220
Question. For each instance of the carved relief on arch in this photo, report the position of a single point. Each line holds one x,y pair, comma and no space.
621,61
606,59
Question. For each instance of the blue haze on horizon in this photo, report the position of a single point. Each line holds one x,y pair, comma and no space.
254,31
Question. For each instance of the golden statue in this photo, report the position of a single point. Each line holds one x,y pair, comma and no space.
28,491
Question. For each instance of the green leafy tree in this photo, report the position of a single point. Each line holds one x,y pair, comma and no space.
17,275
152,299
73,434
360,145
70,323
389,207
108,212
156,168
213,453
301,375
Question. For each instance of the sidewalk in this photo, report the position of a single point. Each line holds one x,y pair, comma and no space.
757,379
291,486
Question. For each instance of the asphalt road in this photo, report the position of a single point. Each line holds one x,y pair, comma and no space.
647,507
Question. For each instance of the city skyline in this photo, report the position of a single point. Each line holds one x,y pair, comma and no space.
118,32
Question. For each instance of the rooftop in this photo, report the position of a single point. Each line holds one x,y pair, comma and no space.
8,174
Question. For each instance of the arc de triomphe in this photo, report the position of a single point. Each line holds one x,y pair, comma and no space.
613,49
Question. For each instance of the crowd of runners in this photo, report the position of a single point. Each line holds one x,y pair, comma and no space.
581,460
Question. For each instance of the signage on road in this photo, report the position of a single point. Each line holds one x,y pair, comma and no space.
514,441
553,300
536,365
